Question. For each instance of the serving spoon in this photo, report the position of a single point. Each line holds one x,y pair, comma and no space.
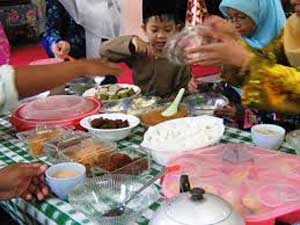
173,108
118,211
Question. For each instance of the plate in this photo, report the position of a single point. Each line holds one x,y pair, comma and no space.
93,91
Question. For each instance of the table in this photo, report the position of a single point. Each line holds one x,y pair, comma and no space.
54,211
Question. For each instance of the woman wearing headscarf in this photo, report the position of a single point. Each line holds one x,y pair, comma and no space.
258,21
270,79
258,26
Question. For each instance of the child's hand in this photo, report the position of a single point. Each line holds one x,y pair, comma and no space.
228,111
141,47
194,84
61,49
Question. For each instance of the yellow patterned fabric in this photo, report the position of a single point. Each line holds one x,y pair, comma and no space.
269,85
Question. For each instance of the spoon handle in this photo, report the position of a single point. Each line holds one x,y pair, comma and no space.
145,186
178,97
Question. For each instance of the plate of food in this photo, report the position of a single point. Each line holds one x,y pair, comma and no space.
113,92
134,106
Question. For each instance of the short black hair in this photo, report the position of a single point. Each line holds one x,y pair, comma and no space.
164,17
165,10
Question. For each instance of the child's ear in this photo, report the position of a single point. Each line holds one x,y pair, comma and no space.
179,26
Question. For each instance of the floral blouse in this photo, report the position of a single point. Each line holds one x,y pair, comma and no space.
61,26
271,85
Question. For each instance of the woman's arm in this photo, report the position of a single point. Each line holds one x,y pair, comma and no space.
31,80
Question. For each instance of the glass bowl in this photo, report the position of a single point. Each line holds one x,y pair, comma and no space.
100,194
206,103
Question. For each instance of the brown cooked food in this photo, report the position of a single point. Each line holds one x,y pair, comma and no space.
101,123
36,144
154,117
92,155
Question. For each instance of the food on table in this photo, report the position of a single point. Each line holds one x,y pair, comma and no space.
91,155
36,144
134,106
66,174
200,100
102,123
143,102
154,116
266,131
184,134
114,92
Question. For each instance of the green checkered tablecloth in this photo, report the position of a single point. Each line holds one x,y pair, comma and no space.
54,211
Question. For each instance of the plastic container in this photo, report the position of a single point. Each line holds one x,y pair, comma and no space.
262,184
174,137
99,157
36,138
101,194
62,110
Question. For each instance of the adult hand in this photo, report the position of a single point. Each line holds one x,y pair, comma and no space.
141,47
217,54
225,50
61,49
99,67
24,180
227,111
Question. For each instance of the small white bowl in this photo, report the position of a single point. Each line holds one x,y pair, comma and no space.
111,134
63,186
267,135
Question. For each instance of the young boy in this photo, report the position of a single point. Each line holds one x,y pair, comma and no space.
152,72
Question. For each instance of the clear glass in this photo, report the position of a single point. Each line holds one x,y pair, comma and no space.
205,103
101,194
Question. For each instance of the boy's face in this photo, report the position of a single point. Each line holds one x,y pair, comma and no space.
243,23
159,31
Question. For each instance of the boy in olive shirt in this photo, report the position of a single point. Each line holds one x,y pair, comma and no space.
152,71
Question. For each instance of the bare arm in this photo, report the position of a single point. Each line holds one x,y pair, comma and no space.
31,80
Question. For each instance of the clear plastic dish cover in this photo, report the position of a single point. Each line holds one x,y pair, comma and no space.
56,108
189,37
261,184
